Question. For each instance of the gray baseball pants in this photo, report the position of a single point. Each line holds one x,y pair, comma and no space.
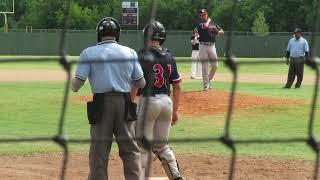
114,123
208,53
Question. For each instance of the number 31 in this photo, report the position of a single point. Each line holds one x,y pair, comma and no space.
160,81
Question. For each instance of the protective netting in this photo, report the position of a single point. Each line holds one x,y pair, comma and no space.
226,139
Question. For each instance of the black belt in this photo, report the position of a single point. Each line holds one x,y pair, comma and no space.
153,94
113,93
207,43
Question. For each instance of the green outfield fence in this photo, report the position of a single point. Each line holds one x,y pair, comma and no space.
46,42
61,43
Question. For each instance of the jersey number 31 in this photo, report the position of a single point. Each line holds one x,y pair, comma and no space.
160,80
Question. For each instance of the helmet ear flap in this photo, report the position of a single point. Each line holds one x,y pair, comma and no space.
161,41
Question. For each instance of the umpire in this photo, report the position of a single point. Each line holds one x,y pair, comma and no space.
110,83
297,51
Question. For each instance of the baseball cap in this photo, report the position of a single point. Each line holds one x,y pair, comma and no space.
202,12
297,30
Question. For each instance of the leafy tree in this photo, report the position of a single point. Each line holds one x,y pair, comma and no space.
6,5
287,14
310,6
80,17
281,15
260,27
43,13
221,14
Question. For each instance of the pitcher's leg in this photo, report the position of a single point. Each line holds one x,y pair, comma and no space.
213,62
193,64
204,62
198,65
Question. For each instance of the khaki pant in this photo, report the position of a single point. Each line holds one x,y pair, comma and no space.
114,123
208,53
196,66
154,123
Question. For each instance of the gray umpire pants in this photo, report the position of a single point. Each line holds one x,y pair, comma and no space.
295,69
113,122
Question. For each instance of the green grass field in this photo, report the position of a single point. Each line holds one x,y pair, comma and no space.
32,109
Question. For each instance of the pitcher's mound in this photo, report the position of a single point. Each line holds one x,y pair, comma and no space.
202,103
199,103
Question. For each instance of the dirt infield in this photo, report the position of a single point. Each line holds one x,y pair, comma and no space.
59,75
202,103
47,166
195,103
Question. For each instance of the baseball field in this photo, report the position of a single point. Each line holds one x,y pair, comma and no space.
31,96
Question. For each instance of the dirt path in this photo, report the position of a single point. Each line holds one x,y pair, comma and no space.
32,75
47,166
59,75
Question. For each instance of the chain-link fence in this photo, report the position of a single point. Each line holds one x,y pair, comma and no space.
225,138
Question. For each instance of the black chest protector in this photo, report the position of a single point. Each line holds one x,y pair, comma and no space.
156,66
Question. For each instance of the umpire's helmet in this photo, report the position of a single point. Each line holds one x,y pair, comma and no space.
155,31
108,26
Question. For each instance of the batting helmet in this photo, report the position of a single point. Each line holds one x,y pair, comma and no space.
108,26
155,31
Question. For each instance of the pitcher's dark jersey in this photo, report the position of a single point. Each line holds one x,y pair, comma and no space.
204,33
160,70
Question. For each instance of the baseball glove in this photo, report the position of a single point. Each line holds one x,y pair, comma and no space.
213,30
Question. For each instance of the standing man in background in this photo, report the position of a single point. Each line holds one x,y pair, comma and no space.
297,51
208,30
157,111
195,64
108,114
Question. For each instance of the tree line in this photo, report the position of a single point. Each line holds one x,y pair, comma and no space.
271,15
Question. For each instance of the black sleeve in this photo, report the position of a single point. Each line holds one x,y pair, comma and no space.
307,54
218,27
288,54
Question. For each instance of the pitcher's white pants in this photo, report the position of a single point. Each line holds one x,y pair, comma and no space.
208,54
